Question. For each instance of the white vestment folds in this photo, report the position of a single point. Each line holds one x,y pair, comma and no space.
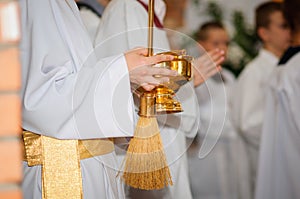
91,22
217,162
124,26
279,161
68,93
249,102
91,12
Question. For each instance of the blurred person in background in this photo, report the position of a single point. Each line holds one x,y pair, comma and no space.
249,96
279,160
219,172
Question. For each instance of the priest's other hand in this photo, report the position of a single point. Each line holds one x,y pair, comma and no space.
207,65
142,72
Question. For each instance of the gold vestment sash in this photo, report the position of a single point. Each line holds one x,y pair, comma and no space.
60,160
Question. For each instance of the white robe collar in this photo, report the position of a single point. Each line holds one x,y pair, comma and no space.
269,56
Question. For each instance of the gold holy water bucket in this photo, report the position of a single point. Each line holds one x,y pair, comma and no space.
160,99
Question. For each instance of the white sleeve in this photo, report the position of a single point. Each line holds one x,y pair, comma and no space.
265,173
67,92
279,161
124,24
248,106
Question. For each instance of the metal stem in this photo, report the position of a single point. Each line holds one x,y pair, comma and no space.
150,27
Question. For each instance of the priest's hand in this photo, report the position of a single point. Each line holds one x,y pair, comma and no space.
142,72
207,65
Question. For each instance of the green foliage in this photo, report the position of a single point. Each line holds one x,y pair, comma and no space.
196,2
244,36
215,11
246,39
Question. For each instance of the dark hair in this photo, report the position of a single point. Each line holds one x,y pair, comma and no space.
291,10
264,11
202,32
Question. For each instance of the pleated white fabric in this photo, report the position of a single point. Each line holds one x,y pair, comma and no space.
279,161
124,26
218,163
69,93
249,104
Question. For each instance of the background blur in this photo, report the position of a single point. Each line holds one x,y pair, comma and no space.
182,15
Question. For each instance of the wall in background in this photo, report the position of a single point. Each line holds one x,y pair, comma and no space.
10,110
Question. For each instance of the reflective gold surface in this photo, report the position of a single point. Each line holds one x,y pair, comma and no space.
147,104
165,102
60,160
182,64
160,100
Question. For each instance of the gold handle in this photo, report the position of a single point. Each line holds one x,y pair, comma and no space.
150,27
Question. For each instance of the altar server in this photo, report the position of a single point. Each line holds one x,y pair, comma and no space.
249,95
124,25
71,103
279,161
217,162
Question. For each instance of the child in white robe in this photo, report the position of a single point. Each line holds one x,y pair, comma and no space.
248,108
69,94
124,25
279,160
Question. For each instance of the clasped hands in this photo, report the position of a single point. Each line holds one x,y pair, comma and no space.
142,73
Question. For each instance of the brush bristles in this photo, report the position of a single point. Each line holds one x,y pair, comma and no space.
145,162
